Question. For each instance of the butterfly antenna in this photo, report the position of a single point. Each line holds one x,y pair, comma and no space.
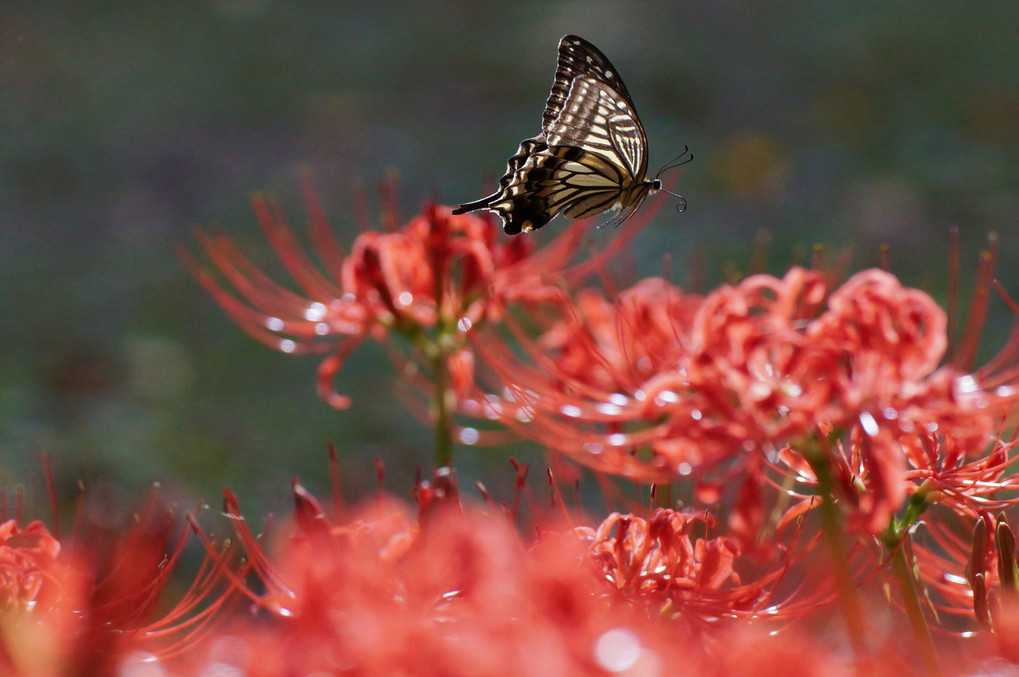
678,161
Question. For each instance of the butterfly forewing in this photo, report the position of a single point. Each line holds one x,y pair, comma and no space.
597,120
591,155
577,56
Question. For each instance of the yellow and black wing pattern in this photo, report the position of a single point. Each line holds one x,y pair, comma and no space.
591,154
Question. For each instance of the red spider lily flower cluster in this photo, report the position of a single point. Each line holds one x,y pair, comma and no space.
432,274
836,466
661,558
457,594
27,558
96,603
453,593
431,281
677,385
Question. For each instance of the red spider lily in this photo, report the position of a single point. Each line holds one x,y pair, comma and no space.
430,280
85,608
432,274
659,560
458,594
955,573
384,593
455,595
749,368
692,388
950,488
969,568
633,339
27,559
970,482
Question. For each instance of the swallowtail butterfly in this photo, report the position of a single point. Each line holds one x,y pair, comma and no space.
591,154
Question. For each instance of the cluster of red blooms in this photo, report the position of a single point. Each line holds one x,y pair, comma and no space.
662,384
844,481
93,603
431,281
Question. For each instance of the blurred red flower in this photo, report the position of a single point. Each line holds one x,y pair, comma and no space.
28,559
86,607
457,594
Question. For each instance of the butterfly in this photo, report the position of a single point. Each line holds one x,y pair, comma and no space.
591,154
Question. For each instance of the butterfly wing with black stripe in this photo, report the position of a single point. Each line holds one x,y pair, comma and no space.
603,145
511,201
577,56
590,156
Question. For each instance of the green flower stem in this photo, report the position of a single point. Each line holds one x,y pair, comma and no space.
910,593
835,535
442,409
909,588
436,349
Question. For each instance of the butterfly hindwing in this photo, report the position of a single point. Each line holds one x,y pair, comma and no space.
532,196
527,149
553,181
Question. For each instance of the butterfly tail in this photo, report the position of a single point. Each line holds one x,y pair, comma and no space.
483,203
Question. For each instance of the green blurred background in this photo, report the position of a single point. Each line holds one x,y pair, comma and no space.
123,125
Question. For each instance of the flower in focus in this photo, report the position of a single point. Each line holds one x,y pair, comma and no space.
432,275
701,382
431,281
660,558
